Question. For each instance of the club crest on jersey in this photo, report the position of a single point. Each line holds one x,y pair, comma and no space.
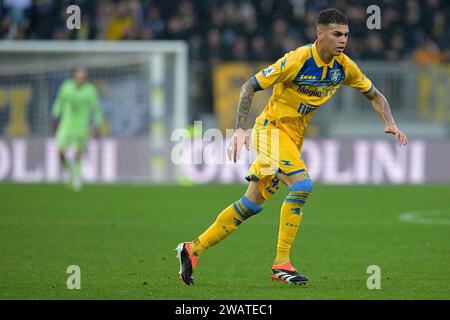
267,71
335,76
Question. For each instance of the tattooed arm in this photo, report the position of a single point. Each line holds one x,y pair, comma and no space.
381,106
240,136
245,100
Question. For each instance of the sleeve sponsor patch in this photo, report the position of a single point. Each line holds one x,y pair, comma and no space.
267,71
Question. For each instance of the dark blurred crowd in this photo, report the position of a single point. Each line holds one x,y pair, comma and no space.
256,30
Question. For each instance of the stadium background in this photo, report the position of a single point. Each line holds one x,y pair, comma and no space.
167,64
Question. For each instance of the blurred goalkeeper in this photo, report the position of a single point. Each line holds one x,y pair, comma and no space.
75,102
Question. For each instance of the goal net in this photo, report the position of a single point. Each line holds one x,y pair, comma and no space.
143,95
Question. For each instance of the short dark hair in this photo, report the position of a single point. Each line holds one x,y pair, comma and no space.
332,15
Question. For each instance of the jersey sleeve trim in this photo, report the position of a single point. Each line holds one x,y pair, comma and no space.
257,83
371,88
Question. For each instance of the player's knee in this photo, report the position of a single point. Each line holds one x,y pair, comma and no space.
255,198
246,208
253,194
252,206
304,185
299,193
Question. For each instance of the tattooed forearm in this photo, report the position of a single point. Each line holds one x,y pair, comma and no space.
381,106
245,100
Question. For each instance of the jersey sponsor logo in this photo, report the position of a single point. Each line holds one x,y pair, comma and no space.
335,76
310,92
317,92
268,71
306,77
305,109
283,64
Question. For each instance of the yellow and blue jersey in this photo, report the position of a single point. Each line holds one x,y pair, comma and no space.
302,83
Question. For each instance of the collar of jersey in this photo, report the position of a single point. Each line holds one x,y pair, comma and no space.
317,58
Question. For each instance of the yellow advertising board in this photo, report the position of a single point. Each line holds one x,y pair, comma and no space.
228,79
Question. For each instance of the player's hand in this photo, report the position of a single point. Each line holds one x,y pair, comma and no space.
400,137
239,138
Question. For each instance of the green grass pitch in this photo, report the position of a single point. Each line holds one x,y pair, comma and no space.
123,239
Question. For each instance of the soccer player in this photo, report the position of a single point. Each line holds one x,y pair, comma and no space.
75,102
303,80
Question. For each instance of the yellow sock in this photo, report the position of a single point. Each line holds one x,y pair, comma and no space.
290,218
226,223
